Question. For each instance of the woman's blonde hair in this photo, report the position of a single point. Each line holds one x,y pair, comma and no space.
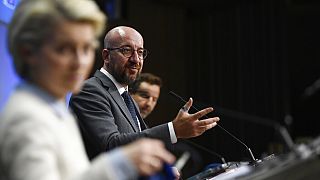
35,20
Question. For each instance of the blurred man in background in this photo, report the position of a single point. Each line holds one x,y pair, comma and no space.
145,90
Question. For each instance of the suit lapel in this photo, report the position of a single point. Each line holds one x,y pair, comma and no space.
113,91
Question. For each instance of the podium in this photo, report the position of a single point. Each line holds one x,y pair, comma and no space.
301,163
286,167
230,169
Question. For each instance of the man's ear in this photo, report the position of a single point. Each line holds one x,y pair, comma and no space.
105,56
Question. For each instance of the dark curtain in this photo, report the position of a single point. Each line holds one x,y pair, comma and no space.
237,60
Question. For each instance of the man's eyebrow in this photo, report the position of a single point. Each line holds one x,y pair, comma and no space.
139,90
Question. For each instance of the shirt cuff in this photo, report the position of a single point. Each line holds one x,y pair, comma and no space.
173,136
122,165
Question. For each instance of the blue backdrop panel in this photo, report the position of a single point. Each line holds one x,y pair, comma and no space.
8,78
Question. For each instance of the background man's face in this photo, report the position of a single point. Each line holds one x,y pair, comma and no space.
147,97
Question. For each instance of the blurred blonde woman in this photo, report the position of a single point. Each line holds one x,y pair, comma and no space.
53,43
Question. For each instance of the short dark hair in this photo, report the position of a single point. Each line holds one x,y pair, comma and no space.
144,77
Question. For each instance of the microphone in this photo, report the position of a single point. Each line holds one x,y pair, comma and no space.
182,161
312,89
230,134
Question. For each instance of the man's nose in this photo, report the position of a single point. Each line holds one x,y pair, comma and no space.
135,57
150,101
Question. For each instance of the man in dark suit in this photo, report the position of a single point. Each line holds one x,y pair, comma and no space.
108,117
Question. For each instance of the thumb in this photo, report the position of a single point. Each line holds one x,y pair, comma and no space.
187,106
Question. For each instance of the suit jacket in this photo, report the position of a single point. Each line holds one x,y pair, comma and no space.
104,118
36,143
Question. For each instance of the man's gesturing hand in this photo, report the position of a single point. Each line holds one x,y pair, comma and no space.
188,125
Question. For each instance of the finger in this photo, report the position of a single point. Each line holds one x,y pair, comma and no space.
159,151
187,106
206,122
200,130
150,166
176,172
201,113
207,127
155,163
184,109
165,156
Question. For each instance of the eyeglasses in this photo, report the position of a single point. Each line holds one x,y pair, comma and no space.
128,51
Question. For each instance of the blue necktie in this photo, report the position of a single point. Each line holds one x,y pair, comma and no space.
130,106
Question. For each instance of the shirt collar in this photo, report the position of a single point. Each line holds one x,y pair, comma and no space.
119,87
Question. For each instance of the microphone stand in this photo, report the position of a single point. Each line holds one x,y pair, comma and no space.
262,121
254,160
206,150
